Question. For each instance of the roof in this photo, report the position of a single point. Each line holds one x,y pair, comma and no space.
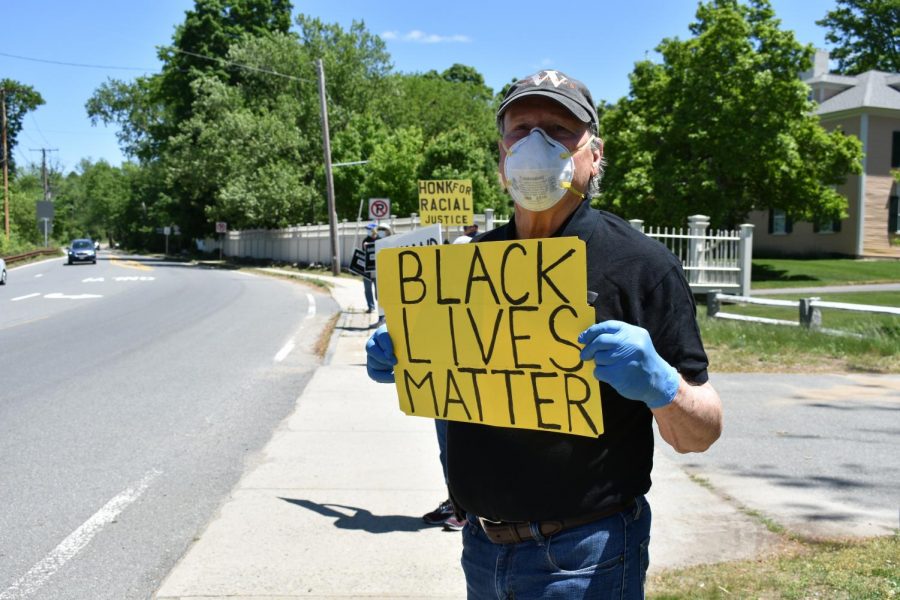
872,89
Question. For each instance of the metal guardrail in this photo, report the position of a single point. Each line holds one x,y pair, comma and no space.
20,257
809,310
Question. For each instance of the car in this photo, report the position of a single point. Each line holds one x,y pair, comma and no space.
82,250
2,272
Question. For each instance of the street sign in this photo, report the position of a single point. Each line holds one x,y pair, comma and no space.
167,230
379,208
221,227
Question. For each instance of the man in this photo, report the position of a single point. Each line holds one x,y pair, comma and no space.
560,516
369,241
469,231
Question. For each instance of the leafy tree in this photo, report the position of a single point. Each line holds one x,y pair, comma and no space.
20,100
459,154
866,34
723,126
394,168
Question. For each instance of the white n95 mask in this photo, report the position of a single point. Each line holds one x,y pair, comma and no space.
539,170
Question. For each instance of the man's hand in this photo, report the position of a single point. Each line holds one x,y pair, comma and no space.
626,360
380,359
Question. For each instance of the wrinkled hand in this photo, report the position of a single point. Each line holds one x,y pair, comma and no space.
380,359
626,360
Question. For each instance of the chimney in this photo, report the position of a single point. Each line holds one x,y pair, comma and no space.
819,66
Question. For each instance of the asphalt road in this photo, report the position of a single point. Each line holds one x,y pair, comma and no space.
133,394
817,454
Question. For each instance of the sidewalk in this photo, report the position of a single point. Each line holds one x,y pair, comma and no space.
333,509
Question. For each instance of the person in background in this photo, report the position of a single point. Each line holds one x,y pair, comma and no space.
469,232
550,515
368,283
443,514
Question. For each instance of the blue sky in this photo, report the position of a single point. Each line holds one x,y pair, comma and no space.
597,42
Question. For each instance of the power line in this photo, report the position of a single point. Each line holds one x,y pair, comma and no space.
71,64
36,126
238,65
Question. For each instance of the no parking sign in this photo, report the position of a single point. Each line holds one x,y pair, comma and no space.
379,208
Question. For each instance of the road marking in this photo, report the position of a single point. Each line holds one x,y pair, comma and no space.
24,297
92,279
130,264
285,350
60,296
38,575
38,275
22,323
311,310
134,278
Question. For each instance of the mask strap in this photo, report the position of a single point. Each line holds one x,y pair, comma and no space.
566,155
567,185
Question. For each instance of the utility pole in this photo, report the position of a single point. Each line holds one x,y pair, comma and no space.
5,164
326,146
45,175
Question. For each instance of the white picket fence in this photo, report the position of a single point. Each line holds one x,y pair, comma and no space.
718,260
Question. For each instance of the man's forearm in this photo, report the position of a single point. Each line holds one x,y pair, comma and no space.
693,420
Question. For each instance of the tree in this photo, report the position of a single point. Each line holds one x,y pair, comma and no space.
866,34
20,99
723,126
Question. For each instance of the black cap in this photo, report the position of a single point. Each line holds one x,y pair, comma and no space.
557,86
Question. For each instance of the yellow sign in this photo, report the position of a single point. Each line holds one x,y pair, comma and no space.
445,201
487,333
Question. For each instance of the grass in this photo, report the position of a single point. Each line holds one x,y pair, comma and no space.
809,569
782,273
752,347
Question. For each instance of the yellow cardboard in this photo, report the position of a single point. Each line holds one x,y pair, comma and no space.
445,202
487,333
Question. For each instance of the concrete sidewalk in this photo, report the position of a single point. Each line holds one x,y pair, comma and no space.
333,509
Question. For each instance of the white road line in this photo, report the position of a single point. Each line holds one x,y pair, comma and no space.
61,296
311,311
92,279
38,275
282,354
38,575
24,297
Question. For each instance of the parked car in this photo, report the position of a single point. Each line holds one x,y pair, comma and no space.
2,272
82,251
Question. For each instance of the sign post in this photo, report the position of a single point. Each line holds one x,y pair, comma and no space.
221,229
379,208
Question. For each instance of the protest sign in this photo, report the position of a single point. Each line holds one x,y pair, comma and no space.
487,333
446,201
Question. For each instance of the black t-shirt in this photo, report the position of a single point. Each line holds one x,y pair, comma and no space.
524,475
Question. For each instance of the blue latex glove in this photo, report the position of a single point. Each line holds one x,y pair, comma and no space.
380,359
626,360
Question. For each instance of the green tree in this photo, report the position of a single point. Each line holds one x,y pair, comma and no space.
459,154
394,168
723,126
866,35
20,99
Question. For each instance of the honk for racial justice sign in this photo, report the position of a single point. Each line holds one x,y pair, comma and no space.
445,201
487,333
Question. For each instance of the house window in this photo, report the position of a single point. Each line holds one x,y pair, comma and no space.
895,150
779,222
894,215
827,226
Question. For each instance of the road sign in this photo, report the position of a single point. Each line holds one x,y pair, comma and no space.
379,208
221,227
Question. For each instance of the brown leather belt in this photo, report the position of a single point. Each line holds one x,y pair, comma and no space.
514,532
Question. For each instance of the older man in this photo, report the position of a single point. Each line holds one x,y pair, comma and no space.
560,516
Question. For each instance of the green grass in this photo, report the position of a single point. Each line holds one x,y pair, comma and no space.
781,273
806,569
751,347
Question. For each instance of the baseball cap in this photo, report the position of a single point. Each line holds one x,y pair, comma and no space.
557,86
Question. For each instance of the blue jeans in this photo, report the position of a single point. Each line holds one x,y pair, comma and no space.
604,559
367,289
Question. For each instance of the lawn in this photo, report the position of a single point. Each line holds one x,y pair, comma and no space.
782,273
